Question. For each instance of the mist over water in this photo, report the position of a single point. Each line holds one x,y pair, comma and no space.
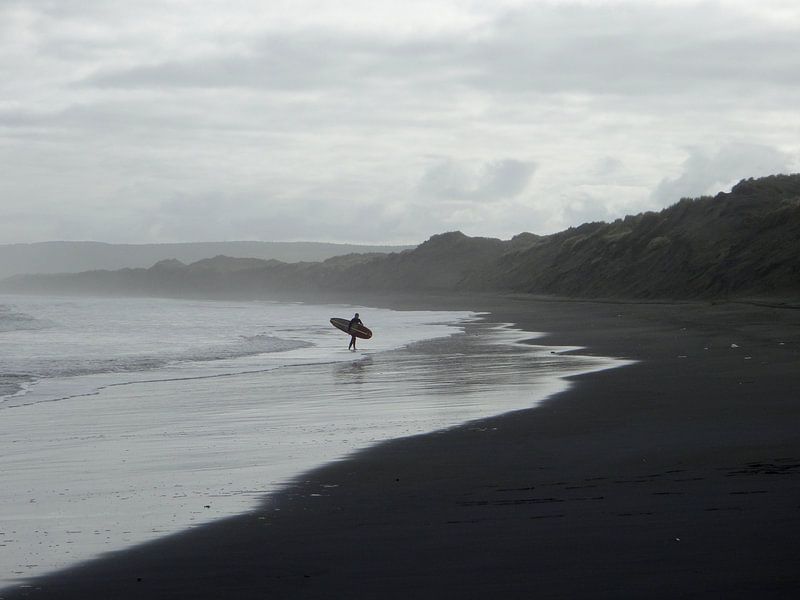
142,417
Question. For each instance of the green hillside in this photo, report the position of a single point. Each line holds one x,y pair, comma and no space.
742,243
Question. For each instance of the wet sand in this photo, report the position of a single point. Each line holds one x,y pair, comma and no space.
677,476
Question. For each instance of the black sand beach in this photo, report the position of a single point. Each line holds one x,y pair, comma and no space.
678,476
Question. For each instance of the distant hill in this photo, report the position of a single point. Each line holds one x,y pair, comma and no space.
74,257
742,243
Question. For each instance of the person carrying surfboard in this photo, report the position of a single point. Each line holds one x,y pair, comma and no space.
354,321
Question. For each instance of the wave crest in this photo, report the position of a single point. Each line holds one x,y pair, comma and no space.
12,320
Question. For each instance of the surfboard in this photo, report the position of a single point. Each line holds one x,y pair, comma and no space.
358,330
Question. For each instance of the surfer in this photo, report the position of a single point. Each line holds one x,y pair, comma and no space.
354,321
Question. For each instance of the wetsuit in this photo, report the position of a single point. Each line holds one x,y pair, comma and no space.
353,321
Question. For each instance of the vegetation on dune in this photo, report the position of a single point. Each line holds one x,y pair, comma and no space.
745,242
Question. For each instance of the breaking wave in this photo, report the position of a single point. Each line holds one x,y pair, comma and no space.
12,320
245,346
12,384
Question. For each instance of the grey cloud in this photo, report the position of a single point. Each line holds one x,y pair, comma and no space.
543,48
254,131
584,208
634,48
284,71
707,171
299,61
493,180
98,116
221,213
18,118
607,166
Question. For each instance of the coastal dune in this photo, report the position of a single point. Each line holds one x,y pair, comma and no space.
675,476
743,243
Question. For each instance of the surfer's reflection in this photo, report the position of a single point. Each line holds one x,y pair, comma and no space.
353,372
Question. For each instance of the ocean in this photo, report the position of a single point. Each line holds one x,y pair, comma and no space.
127,419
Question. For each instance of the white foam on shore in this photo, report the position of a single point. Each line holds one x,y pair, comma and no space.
135,461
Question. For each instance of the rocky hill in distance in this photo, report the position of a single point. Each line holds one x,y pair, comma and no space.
75,257
745,243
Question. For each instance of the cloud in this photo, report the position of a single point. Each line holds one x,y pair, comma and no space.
707,171
180,120
279,62
634,48
552,48
494,180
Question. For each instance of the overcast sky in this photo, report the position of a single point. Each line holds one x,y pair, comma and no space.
201,120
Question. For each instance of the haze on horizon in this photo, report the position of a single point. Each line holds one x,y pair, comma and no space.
172,121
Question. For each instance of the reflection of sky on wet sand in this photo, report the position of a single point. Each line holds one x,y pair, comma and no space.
138,461
488,367
353,372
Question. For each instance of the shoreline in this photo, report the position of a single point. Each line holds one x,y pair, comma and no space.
201,445
675,476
